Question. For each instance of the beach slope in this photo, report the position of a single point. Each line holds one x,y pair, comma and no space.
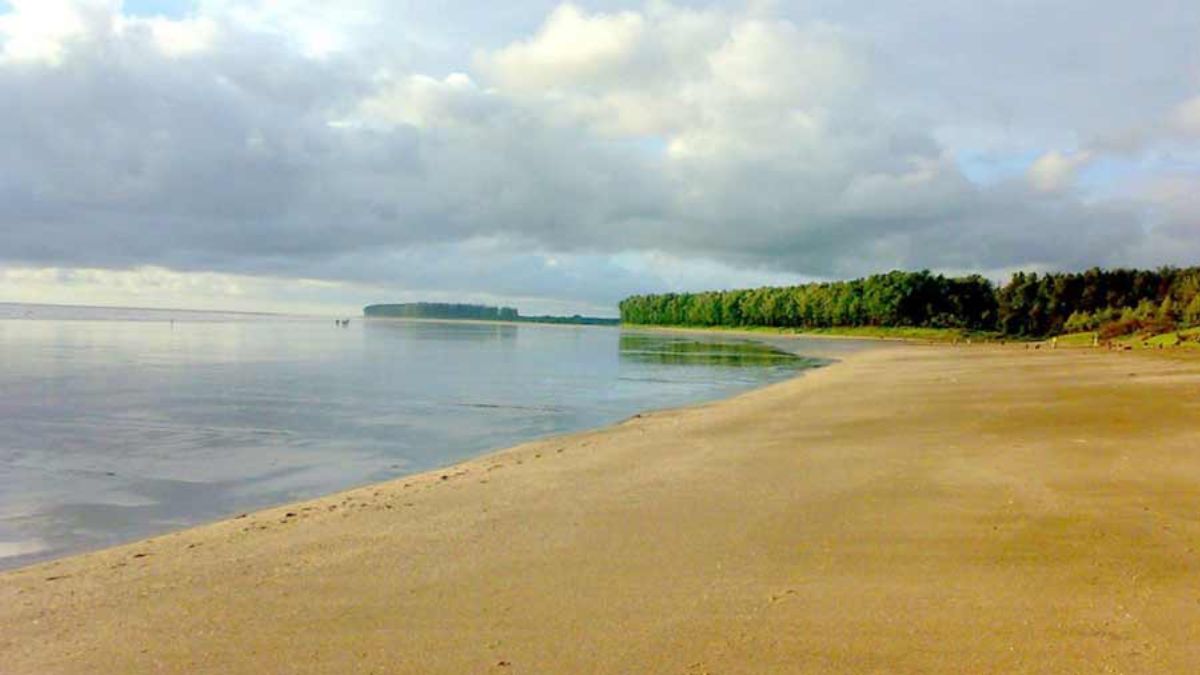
910,509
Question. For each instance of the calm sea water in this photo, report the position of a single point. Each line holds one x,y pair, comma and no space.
121,424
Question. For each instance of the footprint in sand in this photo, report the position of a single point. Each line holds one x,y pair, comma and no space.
783,596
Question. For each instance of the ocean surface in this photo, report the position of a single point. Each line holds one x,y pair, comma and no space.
118,424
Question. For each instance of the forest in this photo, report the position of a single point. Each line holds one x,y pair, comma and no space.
1110,302
445,310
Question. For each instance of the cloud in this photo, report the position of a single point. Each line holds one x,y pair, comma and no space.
36,31
176,38
570,47
1056,171
1185,118
299,140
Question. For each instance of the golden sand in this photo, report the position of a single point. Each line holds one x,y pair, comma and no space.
911,509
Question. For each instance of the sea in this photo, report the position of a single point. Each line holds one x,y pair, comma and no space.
119,424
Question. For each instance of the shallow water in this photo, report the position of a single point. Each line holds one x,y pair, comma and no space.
120,424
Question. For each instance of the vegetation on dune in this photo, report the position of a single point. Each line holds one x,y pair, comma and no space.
1106,304
873,332
916,299
1110,302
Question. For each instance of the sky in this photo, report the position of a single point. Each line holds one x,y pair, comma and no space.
308,156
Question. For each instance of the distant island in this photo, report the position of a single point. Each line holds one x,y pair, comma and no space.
466,312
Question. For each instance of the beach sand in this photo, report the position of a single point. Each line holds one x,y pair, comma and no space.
910,509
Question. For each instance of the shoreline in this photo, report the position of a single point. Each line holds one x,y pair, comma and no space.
820,358
813,508
826,347
770,332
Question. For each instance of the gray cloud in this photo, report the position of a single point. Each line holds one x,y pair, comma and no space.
822,144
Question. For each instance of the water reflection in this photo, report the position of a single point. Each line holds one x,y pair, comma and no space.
468,331
684,351
119,429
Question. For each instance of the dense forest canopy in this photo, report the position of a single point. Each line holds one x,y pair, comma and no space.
1113,302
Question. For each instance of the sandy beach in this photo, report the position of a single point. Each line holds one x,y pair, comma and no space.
910,509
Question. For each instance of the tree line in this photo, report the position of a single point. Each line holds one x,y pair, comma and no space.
441,310
1113,302
456,311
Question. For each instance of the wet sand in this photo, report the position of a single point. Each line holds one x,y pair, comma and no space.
910,509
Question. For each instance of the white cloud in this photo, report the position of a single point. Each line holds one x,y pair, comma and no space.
175,38
37,31
137,286
570,47
676,73
1185,118
42,31
421,101
1056,170
317,29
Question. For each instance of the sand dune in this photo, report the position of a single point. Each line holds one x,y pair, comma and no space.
911,509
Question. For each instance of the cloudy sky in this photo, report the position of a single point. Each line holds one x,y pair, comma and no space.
313,156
